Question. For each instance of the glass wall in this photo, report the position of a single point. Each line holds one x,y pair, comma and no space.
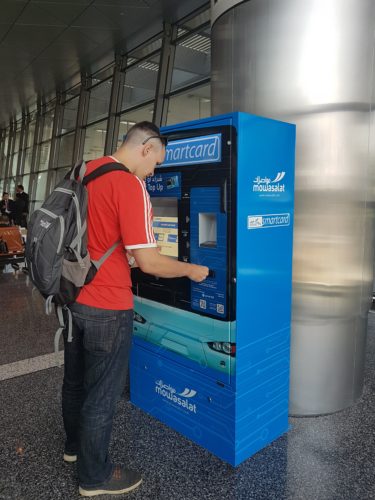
140,83
11,187
43,159
14,165
192,60
40,149
2,155
95,130
17,137
190,105
41,183
65,136
28,144
48,124
27,159
42,144
26,182
99,101
65,150
69,118
14,145
95,140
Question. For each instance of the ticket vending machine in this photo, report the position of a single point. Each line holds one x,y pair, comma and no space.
211,359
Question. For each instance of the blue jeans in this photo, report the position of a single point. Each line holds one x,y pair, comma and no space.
95,369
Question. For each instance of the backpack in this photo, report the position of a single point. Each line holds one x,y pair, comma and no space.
56,254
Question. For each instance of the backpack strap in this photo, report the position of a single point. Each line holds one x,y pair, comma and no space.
103,258
104,169
62,325
76,241
77,171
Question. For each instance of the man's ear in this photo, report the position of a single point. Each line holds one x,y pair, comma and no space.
146,149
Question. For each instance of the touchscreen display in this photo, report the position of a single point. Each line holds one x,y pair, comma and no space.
165,225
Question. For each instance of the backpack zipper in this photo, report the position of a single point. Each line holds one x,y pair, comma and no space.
62,225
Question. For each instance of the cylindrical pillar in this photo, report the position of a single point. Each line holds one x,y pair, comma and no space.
311,63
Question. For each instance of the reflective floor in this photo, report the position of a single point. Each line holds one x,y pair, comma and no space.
323,458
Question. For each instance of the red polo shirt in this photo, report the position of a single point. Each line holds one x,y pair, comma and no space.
119,209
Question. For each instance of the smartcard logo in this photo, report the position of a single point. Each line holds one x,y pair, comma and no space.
179,398
204,149
267,221
266,185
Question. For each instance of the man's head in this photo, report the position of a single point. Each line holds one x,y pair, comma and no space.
5,196
19,188
4,220
143,149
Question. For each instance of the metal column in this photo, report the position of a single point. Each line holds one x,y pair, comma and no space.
115,105
83,108
163,86
311,63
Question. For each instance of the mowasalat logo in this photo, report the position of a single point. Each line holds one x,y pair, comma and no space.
179,398
266,185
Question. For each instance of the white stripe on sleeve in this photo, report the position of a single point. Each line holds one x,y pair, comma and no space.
142,245
146,203
152,237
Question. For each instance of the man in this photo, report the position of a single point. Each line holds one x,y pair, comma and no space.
22,199
4,222
7,207
119,209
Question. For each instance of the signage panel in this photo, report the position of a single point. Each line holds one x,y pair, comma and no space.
204,149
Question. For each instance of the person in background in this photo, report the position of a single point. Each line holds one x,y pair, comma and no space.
7,207
18,211
96,360
4,221
24,197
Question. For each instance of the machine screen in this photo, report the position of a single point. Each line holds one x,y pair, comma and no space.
166,225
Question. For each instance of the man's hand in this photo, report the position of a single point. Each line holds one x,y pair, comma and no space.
198,273
152,262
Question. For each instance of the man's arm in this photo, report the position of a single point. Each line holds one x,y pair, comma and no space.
152,262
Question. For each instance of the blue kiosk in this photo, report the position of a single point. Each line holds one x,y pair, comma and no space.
211,359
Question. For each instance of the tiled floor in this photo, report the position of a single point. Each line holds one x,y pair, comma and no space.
25,330
324,458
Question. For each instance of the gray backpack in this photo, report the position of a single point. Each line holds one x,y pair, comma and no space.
57,258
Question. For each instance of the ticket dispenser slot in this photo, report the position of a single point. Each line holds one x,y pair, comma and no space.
207,230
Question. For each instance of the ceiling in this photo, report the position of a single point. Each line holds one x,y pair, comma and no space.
46,44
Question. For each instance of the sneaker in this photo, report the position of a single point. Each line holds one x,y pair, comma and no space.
70,458
122,481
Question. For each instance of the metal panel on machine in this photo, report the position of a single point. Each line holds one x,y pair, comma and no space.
211,359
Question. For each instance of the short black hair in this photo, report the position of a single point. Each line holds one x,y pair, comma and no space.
5,192
144,127
20,186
